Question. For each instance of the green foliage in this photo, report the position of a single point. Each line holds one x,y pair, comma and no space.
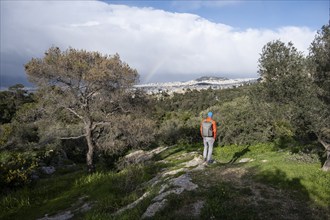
22,132
6,131
283,71
179,117
11,101
194,101
284,134
89,95
319,60
179,127
18,136
300,86
16,169
75,149
240,122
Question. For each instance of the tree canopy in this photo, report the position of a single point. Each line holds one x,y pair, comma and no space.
300,85
88,90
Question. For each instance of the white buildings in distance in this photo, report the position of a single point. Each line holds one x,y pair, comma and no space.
205,82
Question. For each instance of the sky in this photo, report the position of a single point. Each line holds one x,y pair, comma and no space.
163,40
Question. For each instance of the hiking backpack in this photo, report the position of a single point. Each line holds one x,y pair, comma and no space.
207,129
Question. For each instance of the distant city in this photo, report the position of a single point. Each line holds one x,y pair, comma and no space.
205,82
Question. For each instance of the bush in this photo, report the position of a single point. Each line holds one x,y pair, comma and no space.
16,169
284,134
179,127
6,131
240,123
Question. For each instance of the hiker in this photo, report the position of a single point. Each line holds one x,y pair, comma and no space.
209,132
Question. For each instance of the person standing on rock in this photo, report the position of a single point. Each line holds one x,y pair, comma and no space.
209,132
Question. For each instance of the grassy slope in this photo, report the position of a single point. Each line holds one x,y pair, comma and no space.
275,185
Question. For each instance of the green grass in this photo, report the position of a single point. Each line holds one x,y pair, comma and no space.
109,191
48,195
223,197
280,176
282,169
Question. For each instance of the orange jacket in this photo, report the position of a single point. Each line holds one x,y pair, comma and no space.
214,126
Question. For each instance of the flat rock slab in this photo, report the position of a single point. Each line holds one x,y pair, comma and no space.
194,162
61,216
164,194
48,170
184,181
173,172
153,208
245,160
197,207
140,156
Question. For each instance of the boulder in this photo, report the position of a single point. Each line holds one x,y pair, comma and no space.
47,170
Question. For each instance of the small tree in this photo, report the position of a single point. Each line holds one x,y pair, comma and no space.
84,93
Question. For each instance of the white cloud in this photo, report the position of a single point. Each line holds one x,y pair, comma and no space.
155,42
195,5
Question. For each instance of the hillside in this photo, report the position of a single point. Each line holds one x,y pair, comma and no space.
254,182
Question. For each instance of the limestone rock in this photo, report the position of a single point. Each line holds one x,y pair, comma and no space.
61,216
245,160
152,209
184,181
48,170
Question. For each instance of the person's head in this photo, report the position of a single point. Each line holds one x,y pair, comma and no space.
210,114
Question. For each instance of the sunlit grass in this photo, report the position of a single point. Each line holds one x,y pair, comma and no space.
109,191
269,161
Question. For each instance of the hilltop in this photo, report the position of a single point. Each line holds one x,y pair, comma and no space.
211,78
201,83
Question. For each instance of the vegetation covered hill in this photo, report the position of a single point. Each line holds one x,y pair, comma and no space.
256,182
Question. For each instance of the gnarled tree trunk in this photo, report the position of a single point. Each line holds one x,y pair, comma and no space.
91,147
326,165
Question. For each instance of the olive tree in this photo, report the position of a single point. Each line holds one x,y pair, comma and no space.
319,58
87,95
288,81
283,71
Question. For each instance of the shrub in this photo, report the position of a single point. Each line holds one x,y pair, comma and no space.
16,169
6,131
180,127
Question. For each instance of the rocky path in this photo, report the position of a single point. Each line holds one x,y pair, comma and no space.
188,174
175,180
193,175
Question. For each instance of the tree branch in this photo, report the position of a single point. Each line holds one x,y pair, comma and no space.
325,144
75,113
100,123
70,138
125,111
